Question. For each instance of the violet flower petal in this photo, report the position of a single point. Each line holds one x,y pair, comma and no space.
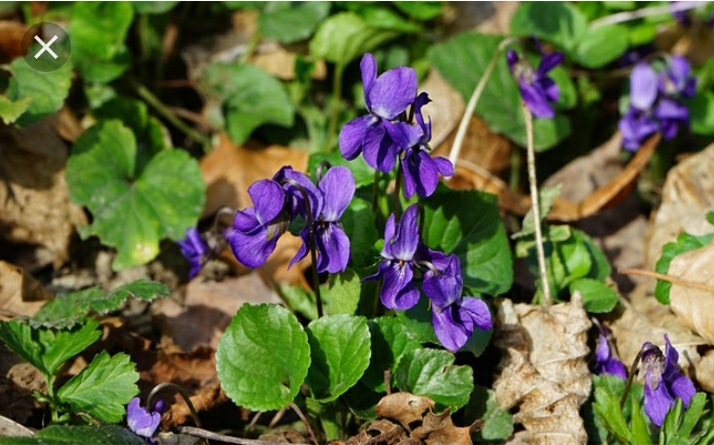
333,248
140,421
549,61
253,248
404,245
444,288
478,311
337,187
295,198
451,334
380,152
512,59
535,100
421,174
392,92
398,292
657,400
303,250
268,199
403,134
368,70
643,86
353,135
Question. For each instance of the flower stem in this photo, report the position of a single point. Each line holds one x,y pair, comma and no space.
163,110
633,371
473,101
313,244
334,105
547,300
250,47
180,390
397,188
375,190
627,16
304,421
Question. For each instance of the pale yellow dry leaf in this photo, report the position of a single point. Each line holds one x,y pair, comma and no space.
20,293
687,196
543,370
693,307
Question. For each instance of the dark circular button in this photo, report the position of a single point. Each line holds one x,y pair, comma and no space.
46,46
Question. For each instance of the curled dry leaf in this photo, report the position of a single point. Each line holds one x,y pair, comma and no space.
687,196
581,205
33,193
543,370
419,424
691,305
20,293
449,107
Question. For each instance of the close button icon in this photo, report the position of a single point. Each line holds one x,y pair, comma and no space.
46,46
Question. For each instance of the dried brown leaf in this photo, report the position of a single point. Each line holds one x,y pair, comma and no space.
20,293
687,196
692,305
404,407
33,193
208,308
11,33
439,429
9,428
543,370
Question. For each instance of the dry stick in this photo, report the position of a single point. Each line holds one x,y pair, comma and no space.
307,424
473,101
627,16
536,205
205,434
674,280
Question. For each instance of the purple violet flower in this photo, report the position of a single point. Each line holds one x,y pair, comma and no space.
454,316
605,360
386,96
336,189
258,228
140,421
537,89
653,102
295,199
399,259
663,381
193,248
420,170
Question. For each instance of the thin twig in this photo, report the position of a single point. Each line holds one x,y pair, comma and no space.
536,205
302,417
205,434
473,101
164,111
674,280
627,16
633,371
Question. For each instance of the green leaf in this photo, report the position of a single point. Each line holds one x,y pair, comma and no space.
103,388
558,22
343,293
363,173
685,243
462,61
151,135
497,422
288,22
73,435
358,222
638,426
133,213
42,348
300,300
98,31
468,224
607,407
598,298
344,37
340,351
46,91
546,196
10,111
417,324
390,342
141,7
693,414
701,112
263,357
420,10
478,341
600,46
69,309
251,98
600,265
382,17
432,373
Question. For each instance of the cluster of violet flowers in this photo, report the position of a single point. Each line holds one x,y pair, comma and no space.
655,101
664,382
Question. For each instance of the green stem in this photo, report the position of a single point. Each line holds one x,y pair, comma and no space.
163,110
397,188
51,396
473,101
335,105
250,47
375,190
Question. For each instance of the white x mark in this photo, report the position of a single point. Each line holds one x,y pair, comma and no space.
46,47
